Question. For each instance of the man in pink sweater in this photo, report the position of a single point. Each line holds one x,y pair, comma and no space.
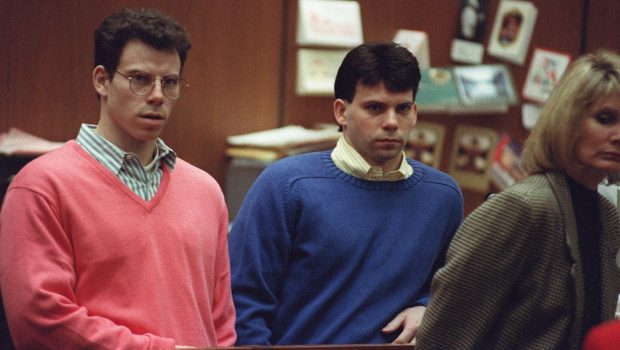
112,242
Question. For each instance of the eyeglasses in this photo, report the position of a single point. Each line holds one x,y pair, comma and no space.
142,83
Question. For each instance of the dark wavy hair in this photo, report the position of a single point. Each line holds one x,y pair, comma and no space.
146,25
376,62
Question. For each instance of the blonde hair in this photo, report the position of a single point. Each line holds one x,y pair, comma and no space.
589,78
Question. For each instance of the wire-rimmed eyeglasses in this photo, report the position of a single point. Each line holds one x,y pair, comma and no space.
142,83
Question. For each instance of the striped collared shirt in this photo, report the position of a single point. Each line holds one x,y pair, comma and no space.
142,180
351,162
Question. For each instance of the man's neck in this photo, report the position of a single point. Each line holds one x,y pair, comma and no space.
144,150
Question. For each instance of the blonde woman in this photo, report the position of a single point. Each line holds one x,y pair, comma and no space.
534,267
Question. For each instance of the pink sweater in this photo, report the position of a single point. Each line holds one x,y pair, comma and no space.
86,263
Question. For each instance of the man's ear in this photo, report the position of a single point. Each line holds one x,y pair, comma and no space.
340,108
100,80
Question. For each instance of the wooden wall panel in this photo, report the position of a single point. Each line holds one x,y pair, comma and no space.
233,69
603,26
4,71
47,58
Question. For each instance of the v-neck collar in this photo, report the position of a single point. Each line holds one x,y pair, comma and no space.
116,182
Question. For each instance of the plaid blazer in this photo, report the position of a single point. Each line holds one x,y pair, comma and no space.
513,276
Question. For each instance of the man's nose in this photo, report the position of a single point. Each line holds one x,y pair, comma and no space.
390,119
156,95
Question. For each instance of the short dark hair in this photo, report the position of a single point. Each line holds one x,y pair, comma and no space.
376,62
146,25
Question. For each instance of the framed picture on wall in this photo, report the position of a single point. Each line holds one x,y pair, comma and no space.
470,160
467,44
425,143
512,30
546,68
437,90
489,84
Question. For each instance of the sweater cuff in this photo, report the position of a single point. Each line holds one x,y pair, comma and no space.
422,301
159,343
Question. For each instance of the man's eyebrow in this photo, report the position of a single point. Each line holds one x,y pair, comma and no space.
372,102
138,71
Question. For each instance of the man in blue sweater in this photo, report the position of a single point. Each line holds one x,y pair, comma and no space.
339,247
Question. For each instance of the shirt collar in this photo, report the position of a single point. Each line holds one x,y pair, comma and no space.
113,157
351,162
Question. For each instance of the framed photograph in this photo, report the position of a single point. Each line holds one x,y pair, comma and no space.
546,68
489,84
437,90
329,23
316,71
512,30
471,156
425,143
467,45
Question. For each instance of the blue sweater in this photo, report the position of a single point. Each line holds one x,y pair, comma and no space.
319,256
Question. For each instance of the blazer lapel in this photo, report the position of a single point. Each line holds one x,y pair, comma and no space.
559,186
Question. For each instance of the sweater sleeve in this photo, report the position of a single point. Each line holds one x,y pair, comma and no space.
37,278
259,245
483,265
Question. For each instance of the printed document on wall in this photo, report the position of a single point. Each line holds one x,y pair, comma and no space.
316,71
417,43
329,23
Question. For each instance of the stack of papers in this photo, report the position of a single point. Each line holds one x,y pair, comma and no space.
272,144
18,142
